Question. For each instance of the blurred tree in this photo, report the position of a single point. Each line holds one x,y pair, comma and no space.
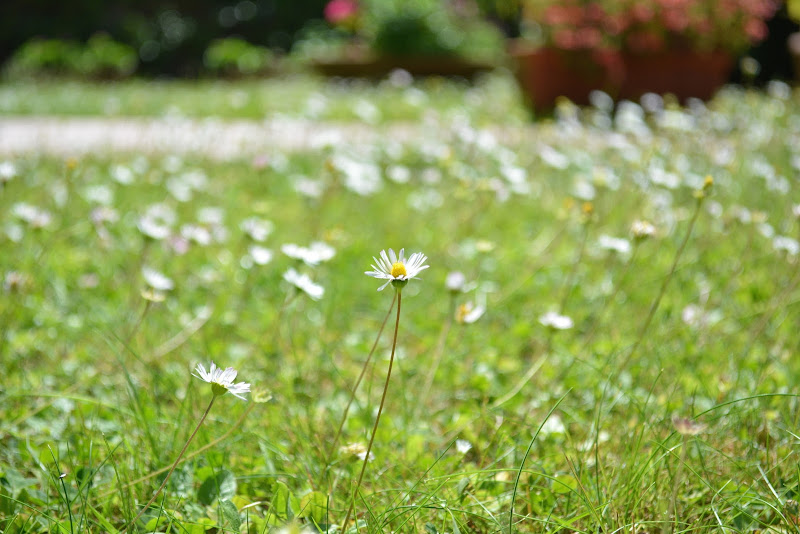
169,35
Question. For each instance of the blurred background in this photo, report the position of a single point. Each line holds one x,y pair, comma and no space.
113,39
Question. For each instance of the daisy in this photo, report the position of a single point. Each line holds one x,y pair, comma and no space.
556,321
304,283
221,380
395,268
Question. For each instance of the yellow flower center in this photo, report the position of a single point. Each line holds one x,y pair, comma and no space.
398,270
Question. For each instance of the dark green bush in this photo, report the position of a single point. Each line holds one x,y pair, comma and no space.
100,57
234,56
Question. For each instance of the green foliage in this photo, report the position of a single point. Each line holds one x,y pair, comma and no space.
45,57
100,57
235,56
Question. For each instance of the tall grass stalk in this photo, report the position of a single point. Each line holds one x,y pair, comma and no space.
174,465
336,437
700,197
378,417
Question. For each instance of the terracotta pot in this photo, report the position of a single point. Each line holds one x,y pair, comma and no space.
544,74
682,73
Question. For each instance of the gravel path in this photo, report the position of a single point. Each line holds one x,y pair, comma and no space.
214,138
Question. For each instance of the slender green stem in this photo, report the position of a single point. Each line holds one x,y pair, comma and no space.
611,298
174,465
147,304
377,418
673,512
437,357
194,453
61,477
524,459
664,284
358,382
574,270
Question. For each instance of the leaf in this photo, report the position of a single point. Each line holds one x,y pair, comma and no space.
314,506
284,503
564,484
220,486
231,514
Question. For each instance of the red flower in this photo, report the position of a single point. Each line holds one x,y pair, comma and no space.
339,11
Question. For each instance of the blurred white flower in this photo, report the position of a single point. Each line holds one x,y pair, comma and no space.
786,244
553,425
7,171
257,229
471,311
312,255
304,283
642,229
697,317
308,187
157,221
555,320
357,450
35,217
211,215
157,280
399,174
617,244
221,380
260,255
455,281
100,194
196,233
463,446
553,157
395,268
122,174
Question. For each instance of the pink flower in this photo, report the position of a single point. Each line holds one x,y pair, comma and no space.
755,29
338,11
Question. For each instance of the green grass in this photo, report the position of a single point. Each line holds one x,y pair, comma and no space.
494,98
572,429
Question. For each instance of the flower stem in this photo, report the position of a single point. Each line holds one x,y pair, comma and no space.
358,382
437,357
174,465
377,418
664,284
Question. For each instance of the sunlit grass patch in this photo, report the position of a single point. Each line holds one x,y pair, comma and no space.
632,367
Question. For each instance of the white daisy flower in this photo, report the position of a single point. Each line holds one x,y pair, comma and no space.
395,268
157,280
463,446
312,255
304,283
471,311
642,229
617,244
257,229
455,281
260,255
556,320
221,380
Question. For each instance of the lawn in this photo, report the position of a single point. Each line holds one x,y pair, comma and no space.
619,356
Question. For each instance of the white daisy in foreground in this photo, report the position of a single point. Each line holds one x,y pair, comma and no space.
396,269
221,380
304,283
556,320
